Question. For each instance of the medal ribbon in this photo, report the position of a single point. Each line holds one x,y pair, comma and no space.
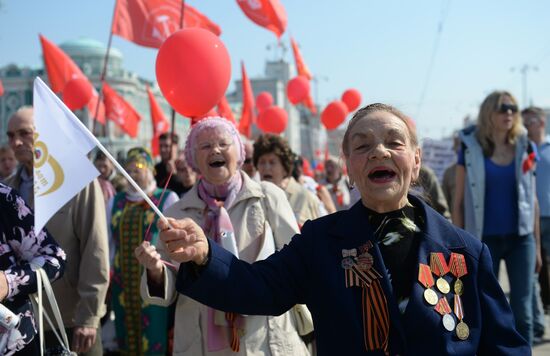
458,307
438,264
443,306
376,320
458,265
425,275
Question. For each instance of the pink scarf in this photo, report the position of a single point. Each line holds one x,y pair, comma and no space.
218,227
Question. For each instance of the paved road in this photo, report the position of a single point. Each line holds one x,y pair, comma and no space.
542,349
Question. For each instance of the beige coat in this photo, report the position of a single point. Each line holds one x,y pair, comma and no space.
264,335
304,204
80,228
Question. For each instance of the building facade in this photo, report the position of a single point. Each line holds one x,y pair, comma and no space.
89,55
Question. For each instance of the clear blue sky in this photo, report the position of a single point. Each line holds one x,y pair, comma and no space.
382,48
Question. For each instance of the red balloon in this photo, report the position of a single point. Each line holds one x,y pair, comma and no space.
272,120
297,89
334,114
77,93
193,71
352,99
263,101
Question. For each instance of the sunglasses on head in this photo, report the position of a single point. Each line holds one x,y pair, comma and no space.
505,107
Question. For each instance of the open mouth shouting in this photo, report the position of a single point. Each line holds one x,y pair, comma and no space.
267,177
217,163
381,175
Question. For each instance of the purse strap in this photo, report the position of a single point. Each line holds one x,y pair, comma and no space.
42,280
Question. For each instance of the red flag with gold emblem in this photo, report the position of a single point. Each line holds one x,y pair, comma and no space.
247,113
120,111
224,110
267,13
149,22
61,69
160,123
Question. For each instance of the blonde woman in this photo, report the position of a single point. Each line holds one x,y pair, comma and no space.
495,196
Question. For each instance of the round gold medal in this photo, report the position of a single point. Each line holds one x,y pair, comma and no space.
459,287
443,285
462,330
430,296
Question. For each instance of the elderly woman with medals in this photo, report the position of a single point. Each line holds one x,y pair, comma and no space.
388,276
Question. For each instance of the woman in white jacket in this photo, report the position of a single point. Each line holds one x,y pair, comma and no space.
249,219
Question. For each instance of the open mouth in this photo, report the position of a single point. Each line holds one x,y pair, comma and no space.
267,177
217,163
381,174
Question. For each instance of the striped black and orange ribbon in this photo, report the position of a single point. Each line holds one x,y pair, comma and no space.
235,339
376,321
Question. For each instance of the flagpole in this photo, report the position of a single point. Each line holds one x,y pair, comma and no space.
103,73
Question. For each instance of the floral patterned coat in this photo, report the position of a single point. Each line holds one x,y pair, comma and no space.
19,248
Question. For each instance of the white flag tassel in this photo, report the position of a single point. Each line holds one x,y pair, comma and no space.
61,167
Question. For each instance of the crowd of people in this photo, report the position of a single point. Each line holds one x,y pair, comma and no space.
264,255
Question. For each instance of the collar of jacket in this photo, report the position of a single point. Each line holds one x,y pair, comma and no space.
250,189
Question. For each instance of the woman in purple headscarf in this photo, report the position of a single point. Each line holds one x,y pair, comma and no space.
249,219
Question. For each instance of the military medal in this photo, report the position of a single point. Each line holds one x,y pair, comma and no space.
426,279
458,268
444,309
462,330
440,268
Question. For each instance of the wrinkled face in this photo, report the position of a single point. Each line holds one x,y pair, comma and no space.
333,171
382,160
216,155
7,163
139,172
104,167
185,173
271,168
167,150
20,136
504,116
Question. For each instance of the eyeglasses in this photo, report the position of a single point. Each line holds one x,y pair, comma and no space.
531,120
503,109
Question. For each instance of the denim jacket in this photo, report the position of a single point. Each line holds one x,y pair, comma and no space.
474,184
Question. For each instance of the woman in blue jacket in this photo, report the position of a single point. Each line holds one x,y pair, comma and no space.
495,197
387,276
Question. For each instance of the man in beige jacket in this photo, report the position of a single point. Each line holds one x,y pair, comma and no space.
80,228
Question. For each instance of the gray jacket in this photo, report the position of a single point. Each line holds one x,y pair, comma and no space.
474,184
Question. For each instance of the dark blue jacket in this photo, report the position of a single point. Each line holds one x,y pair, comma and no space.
309,271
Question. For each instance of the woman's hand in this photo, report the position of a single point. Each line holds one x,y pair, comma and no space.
149,258
184,240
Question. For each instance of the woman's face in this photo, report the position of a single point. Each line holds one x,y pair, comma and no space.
271,169
382,161
504,116
139,172
216,155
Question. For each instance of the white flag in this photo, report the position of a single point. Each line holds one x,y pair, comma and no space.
61,167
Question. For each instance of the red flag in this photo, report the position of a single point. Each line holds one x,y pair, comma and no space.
247,113
301,66
149,22
1,88
120,111
160,123
267,13
224,110
60,69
